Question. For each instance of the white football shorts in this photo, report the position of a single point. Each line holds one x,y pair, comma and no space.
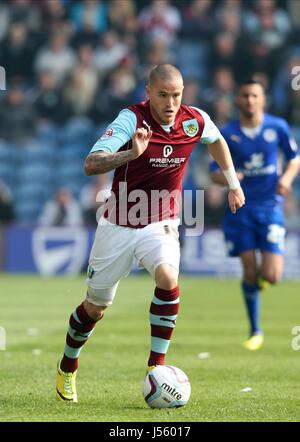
114,249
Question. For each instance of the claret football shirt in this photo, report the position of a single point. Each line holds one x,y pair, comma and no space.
137,184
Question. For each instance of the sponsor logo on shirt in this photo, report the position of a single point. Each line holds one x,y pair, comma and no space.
256,161
256,167
166,161
109,132
167,150
190,127
235,138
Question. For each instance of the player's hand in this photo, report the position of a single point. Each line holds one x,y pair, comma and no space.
236,199
283,186
140,141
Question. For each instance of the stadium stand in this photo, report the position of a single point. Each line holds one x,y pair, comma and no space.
72,65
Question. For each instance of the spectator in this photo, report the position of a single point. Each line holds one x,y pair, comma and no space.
17,117
222,110
122,15
230,21
23,11
269,28
16,52
115,95
222,88
160,20
93,12
57,57
4,20
63,210
81,86
226,51
86,36
53,10
197,20
271,23
110,53
47,99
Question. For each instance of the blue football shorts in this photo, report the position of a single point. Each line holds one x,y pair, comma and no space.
253,228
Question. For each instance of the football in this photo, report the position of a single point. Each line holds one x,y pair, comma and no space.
166,386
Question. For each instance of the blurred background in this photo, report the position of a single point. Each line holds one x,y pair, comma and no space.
71,66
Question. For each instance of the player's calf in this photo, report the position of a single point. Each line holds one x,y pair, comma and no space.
271,276
163,315
272,267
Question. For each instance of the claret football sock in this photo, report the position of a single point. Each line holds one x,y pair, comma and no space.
163,315
252,301
81,327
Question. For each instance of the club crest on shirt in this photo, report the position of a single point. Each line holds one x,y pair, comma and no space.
190,127
269,135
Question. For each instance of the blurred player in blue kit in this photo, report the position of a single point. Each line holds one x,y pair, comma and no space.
254,141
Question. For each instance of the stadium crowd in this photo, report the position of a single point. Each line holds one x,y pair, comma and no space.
72,65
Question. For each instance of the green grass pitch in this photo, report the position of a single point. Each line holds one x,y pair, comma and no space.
34,312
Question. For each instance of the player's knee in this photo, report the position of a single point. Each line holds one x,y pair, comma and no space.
166,277
97,300
95,312
100,298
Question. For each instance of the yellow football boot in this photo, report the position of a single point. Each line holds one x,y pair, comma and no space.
262,283
150,368
66,385
255,342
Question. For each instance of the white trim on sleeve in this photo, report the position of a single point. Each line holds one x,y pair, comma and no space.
210,132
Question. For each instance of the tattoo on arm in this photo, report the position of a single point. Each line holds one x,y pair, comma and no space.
102,162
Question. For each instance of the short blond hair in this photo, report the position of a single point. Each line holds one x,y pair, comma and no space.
165,72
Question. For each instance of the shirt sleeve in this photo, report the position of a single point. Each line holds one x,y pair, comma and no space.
287,142
210,132
118,133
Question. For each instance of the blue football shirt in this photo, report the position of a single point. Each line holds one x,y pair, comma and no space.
257,157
